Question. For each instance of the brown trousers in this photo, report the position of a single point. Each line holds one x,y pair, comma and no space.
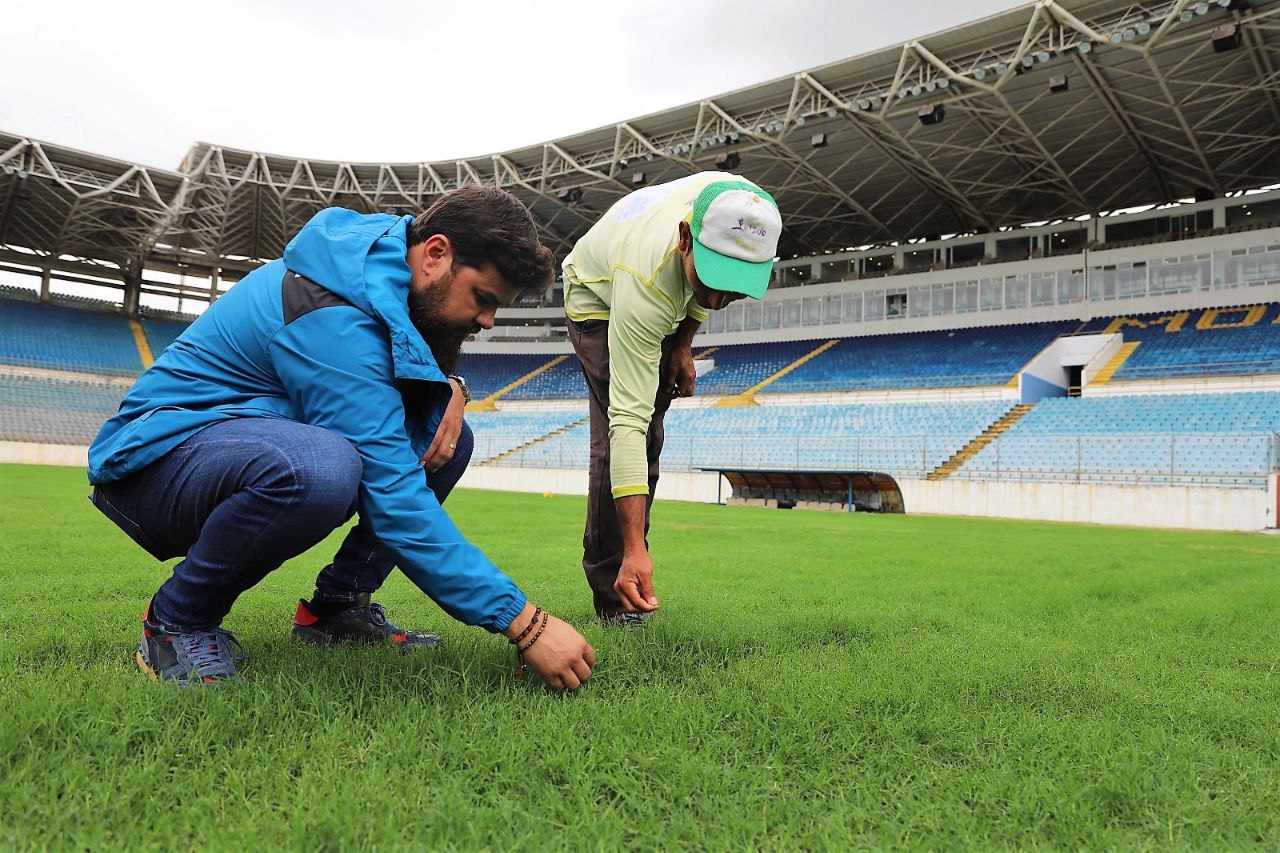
602,540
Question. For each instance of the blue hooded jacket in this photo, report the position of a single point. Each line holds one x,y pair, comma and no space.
340,366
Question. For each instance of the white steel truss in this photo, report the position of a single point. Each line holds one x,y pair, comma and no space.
1149,111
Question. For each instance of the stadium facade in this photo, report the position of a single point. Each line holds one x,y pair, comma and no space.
1031,268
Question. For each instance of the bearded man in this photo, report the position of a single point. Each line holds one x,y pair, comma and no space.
316,389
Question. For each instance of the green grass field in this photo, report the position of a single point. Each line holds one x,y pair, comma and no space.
814,680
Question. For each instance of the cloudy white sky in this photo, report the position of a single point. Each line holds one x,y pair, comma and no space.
404,81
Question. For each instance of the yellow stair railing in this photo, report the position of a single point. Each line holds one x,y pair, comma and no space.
970,450
1109,369
748,397
488,404
531,442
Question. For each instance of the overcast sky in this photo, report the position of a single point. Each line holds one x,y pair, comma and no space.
405,81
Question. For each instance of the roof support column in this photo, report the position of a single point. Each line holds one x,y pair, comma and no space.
45,275
132,291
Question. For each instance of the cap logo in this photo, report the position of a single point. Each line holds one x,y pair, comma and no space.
747,228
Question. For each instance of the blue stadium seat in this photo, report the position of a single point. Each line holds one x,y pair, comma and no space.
161,332
740,366
488,372
55,337
562,382
945,359
1210,342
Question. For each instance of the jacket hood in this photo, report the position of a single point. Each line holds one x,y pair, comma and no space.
361,257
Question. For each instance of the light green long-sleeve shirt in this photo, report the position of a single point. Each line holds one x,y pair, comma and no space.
627,269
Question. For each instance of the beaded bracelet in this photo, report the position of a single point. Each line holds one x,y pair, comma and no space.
534,621
520,651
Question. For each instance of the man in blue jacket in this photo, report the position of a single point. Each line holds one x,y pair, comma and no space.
316,389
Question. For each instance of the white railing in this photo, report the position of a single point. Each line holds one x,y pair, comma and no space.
1224,459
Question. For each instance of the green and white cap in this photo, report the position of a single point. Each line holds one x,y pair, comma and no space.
735,227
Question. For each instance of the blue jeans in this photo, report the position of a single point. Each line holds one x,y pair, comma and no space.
241,497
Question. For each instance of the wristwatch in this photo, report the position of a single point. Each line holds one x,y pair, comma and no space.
462,383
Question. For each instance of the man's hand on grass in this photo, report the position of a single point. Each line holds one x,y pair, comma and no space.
635,583
561,655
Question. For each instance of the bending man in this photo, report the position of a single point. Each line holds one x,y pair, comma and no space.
637,287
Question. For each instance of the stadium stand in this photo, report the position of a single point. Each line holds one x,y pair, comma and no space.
906,438
499,433
1211,342
486,373
562,382
55,411
942,359
160,333
568,449
740,366
1221,438
55,337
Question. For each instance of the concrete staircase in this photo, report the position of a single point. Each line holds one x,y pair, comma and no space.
513,451
748,397
1109,369
990,434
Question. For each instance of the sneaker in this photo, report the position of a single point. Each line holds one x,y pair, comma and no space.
623,620
362,621
188,659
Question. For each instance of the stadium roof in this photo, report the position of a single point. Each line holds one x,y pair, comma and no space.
1150,111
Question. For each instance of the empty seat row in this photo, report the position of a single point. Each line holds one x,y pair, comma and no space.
910,439
1202,342
55,411
1224,438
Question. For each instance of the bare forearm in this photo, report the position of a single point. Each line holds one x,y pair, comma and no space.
631,511
634,584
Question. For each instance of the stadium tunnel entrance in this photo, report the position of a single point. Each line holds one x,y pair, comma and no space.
850,491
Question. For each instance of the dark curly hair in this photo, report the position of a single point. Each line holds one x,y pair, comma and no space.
485,224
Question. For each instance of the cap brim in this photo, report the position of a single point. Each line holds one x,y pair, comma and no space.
720,272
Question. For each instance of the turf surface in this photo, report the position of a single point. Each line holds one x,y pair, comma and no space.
814,679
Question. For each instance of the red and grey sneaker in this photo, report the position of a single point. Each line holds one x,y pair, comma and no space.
188,659
359,621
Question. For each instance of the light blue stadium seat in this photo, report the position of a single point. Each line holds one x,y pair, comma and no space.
1222,438
498,432
910,439
55,411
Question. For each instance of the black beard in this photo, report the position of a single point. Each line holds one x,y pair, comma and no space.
444,339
